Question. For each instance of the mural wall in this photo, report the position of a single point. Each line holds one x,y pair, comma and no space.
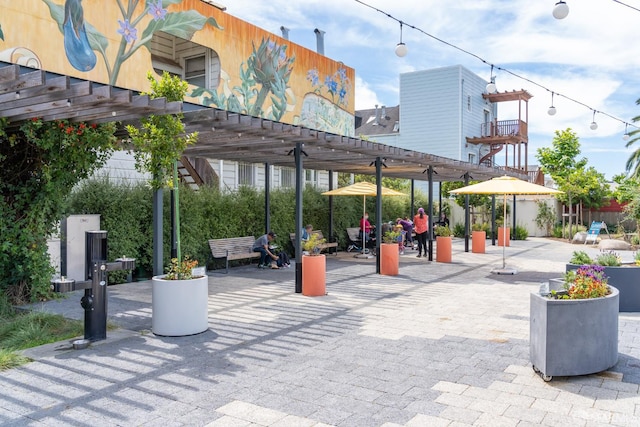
229,63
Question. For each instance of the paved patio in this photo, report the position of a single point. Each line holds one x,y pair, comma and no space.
438,345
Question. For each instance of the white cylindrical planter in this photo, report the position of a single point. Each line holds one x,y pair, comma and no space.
179,307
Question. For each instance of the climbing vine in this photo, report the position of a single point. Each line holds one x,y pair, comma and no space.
41,163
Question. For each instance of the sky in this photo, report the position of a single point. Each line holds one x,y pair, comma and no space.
591,56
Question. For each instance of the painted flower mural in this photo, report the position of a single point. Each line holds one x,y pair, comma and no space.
82,40
335,86
266,72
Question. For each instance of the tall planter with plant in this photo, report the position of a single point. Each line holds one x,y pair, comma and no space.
575,331
314,266
443,243
389,254
158,145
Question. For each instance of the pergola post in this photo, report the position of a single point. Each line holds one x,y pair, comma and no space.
331,239
430,213
466,215
297,153
493,219
157,233
267,198
412,203
378,210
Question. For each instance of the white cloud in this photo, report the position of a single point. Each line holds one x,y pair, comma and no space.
365,96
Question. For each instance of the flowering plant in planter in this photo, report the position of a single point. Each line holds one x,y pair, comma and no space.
181,270
588,281
312,246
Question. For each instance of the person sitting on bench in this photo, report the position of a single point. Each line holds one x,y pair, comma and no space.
262,245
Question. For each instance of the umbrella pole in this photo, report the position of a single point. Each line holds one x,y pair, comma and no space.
364,210
504,230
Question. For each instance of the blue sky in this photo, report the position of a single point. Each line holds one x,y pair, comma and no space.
591,56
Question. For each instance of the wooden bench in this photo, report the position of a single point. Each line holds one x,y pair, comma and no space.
322,246
233,248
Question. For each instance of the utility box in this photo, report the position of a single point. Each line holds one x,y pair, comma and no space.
73,245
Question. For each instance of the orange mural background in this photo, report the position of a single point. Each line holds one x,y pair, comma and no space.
319,91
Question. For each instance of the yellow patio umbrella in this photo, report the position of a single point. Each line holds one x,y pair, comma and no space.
505,185
363,189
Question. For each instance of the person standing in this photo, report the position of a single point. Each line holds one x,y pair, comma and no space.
421,225
407,227
365,229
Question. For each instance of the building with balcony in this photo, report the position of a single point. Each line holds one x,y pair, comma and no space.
447,111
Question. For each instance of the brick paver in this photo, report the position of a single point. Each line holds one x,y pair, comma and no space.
438,345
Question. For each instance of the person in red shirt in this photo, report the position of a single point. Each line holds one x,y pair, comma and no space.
421,225
365,229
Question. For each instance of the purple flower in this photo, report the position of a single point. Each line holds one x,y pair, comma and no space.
342,74
129,33
156,10
313,77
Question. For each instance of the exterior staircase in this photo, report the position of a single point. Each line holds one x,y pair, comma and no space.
195,172
487,159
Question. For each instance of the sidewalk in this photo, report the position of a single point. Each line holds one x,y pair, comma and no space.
438,345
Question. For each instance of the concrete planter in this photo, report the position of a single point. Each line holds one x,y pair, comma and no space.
179,307
573,337
627,280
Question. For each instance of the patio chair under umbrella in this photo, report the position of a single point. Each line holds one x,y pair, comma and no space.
505,185
363,189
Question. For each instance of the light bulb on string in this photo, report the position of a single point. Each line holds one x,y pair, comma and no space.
491,86
625,137
560,10
552,110
593,125
401,48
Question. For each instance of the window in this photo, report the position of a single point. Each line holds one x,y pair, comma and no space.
472,158
310,177
197,64
287,177
245,174
468,103
195,71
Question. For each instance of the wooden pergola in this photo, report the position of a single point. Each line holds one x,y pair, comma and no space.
26,93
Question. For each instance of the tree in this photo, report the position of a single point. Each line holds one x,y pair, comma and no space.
161,140
633,163
559,161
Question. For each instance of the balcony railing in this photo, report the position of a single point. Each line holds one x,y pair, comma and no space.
504,128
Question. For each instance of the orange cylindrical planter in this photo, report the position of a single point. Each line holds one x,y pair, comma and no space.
389,259
314,270
443,248
478,239
501,236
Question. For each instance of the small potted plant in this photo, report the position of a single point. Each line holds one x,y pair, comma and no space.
574,331
313,267
180,300
443,243
624,277
389,253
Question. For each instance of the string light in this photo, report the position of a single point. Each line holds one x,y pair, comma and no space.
401,48
552,110
625,137
560,10
593,125
479,58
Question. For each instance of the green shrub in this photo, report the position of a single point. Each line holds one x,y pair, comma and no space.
557,230
608,259
580,258
519,233
485,226
458,230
